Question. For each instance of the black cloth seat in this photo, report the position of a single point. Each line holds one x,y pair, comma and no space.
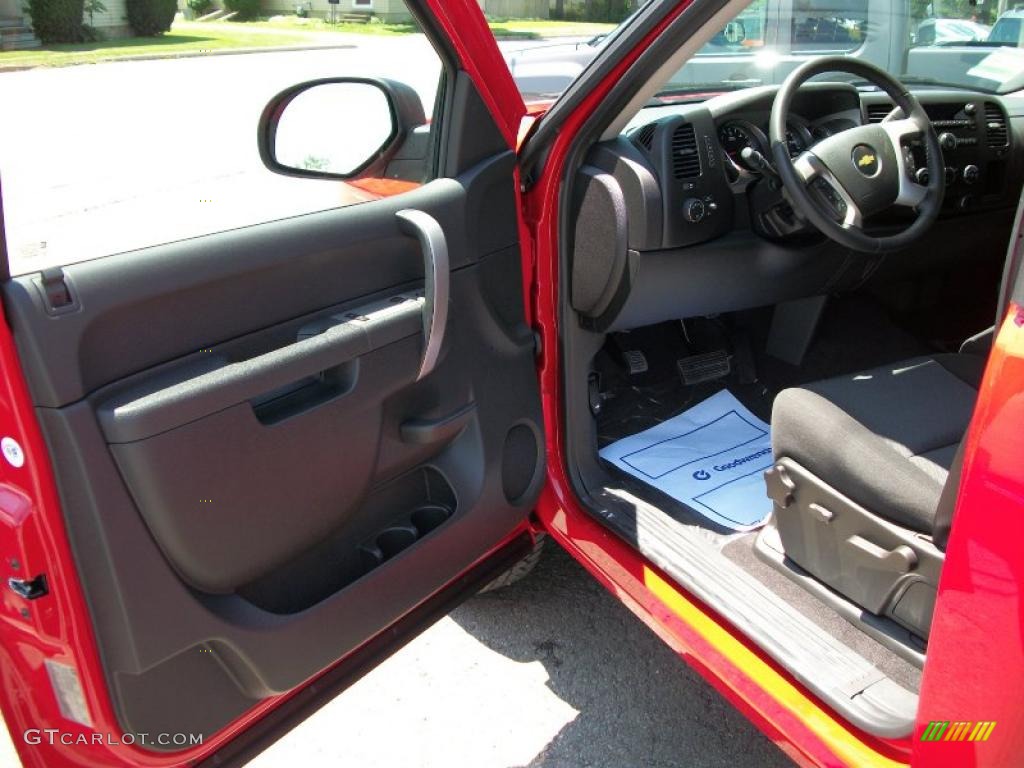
886,437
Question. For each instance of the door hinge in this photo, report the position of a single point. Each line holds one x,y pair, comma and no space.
30,589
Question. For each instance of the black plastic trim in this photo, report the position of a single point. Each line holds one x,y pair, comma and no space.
406,114
157,316
315,695
5,263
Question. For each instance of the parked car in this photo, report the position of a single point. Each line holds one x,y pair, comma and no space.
947,31
1008,29
754,357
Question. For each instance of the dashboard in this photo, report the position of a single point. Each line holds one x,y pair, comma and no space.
682,214
739,133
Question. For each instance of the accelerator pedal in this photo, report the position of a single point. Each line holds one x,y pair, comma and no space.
697,369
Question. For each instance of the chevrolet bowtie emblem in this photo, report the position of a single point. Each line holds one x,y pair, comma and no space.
865,160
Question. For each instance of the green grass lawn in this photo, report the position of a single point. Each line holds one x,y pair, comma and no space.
515,28
189,37
548,28
320,26
181,39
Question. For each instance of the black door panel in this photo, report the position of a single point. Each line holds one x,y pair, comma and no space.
248,499
234,282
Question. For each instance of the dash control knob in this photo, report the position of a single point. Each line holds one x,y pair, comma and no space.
947,140
971,174
694,210
922,176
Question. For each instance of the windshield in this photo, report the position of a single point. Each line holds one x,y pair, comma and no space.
946,43
951,43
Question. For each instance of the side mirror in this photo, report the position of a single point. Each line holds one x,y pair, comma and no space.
337,128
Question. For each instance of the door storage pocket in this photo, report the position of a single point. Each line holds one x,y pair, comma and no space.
392,520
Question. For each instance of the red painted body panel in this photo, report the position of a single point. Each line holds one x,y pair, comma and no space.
465,26
58,626
616,565
970,590
622,571
975,668
976,661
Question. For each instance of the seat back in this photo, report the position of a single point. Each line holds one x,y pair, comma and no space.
947,501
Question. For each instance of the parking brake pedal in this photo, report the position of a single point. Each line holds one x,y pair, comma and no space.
696,369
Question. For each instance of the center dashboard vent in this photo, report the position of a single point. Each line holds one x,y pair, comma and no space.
996,135
685,157
877,112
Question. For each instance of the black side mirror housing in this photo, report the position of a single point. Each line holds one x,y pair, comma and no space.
340,128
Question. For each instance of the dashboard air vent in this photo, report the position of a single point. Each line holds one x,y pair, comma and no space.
685,158
877,112
645,136
995,122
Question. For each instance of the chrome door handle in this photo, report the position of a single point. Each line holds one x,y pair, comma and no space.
436,276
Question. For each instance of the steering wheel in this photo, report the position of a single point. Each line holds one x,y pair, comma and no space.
861,171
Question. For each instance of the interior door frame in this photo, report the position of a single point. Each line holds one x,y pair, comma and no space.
784,710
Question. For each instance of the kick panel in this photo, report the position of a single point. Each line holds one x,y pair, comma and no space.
251,439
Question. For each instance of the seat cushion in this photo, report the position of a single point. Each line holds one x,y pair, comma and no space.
885,437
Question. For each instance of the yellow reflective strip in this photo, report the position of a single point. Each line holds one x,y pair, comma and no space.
847,747
988,731
977,731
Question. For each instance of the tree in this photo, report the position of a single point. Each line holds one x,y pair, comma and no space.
150,18
57,21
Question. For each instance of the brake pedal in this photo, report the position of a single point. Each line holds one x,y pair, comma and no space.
636,361
697,369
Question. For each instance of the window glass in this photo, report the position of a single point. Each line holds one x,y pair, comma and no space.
102,158
743,34
949,43
546,54
828,25
1007,30
976,45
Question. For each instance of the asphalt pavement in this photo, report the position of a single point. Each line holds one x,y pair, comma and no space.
551,672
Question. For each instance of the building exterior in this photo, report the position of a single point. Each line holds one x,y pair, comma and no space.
16,26
515,9
394,11
112,22
16,31
389,11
